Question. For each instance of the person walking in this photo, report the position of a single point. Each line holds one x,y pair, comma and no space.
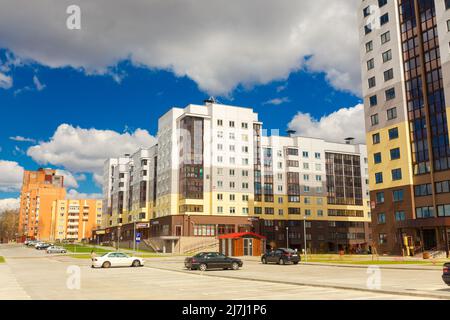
93,254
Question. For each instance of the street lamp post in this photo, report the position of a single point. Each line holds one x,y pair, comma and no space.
134,233
287,237
304,237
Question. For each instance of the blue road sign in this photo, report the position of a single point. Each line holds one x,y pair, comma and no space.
138,237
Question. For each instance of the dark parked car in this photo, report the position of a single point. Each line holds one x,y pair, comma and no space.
212,260
281,256
44,246
446,273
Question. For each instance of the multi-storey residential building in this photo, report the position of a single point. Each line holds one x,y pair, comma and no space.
406,83
74,220
39,190
214,171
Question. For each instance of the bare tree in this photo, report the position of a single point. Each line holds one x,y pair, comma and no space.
9,223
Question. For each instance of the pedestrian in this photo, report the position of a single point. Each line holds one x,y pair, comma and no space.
93,254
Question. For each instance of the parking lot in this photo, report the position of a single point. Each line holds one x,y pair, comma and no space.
32,274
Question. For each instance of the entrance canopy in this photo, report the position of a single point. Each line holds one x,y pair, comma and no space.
240,235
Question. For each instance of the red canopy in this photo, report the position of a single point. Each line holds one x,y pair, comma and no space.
241,235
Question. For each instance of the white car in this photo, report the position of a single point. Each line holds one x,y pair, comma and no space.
116,259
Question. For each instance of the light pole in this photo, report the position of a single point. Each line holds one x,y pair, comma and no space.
304,237
287,237
134,233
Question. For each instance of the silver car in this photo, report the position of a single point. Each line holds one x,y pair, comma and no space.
55,249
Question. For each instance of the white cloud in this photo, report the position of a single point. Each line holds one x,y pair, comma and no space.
11,176
344,123
37,83
218,44
22,139
278,101
85,150
9,204
6,81
75,195
69,180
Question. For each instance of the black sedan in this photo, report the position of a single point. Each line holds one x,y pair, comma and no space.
212,260
446,273
281,256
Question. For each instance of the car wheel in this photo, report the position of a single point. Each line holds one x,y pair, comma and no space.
264,260
136,263
235,266
203,267
281,262
106,264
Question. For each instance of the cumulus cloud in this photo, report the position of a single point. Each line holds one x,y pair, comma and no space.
85,150
9,204
344,123
22,139
218,44
11,176
278,101
6,81
37,84
75,195
69,180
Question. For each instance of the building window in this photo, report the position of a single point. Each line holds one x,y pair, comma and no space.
444,210
372,82
377,157
257,210
397,195
370,64
443,187
387,56
219,123
374,119
379,177
376,138
393,133
392,113
423,190
380,197
395,154
366,11
382,238
381,218
369,46
385,37
400,216
367,29
381,3
389,75
396,174
424,212
390,94
384,19
373,101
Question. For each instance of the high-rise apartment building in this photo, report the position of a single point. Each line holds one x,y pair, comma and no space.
47,215
405,54
74,220
215,171
39,190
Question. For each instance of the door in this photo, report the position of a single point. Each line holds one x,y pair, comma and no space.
178,231
122,260
429,239
248,247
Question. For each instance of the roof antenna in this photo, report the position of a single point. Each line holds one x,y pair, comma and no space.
211,100
291,132
349,140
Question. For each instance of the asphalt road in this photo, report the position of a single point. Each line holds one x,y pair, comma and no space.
32,274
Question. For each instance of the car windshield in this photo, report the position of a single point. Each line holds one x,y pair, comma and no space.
199,255
289,250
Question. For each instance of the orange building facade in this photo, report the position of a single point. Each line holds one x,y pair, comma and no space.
39,190
45,213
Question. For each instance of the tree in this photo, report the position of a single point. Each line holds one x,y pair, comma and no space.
9,224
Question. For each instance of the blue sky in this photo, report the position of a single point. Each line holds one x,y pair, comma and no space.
48,88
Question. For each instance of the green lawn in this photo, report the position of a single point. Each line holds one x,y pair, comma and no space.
368,260
79,248
2,260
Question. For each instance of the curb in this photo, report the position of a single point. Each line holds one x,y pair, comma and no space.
315,285
429,268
